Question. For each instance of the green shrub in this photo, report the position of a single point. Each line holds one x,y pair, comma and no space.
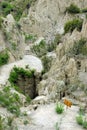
14,109
16,71
30,37
85,124
79,47
28,99
10,101
10,120
1,123
71,25
52,46
59,108
1,20
84,10
73,9
4,58
79,120
6,7
40,49
26,122
46,63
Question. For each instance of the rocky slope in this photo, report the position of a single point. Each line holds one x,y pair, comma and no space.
65,63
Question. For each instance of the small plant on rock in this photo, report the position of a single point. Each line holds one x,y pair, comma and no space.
71,25
59,108
79,119
85,124
73,9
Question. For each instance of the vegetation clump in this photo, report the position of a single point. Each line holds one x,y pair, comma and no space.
73,9
84,10
81,121
59,108
10,101
40,49
52,46
6,8
4,57
29,37
16,71
80,47
71,25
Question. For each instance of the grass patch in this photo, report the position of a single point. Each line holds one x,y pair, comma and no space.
59,108
80,47
4,57
79,119
52,46
85,124
18,71
10,101
71,25
29,37
73,9
40,49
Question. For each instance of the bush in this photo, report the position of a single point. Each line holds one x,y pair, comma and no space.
10,101
79,47
40,49
6,7
73,9
46,63
1,123
52,46
84,10
16,71
59,108
79,119
71,25
4,58
30,37
85,124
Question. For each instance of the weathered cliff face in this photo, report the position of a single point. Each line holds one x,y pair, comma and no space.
47,18
65,69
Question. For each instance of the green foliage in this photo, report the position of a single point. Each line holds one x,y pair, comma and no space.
10,101
1,123
1,20
73,9
46,63
79,119
57,126
28,99
40,49
52,46
26,122
4,58
10,120
59,108
16,71
71,25
79,47
14,109
6,7
29,37
85,124
14,7
84,10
